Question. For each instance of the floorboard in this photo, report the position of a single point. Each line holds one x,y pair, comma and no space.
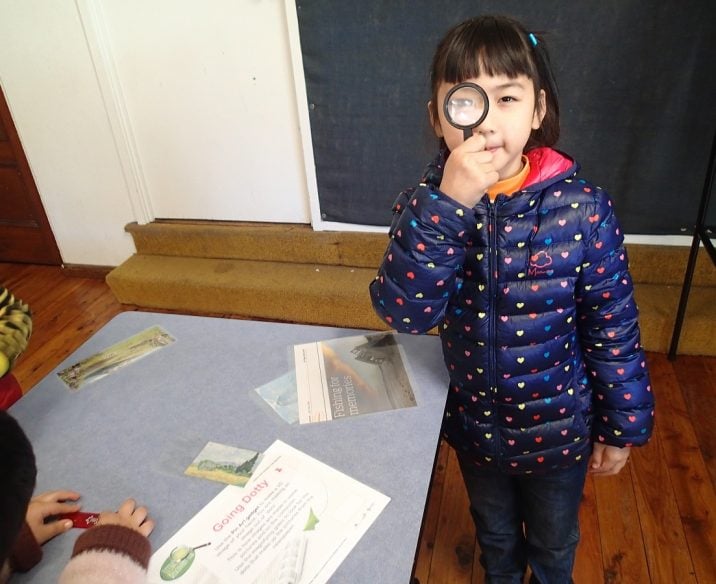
454,550
431,518
699,389
665,545
691,481
589,562
624,557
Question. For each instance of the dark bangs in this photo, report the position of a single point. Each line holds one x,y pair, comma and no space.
489,45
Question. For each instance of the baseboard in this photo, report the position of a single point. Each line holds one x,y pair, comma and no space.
86,271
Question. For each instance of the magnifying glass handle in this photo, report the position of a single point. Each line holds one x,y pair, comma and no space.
466,133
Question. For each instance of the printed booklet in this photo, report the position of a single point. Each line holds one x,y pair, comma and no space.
351,376
294,522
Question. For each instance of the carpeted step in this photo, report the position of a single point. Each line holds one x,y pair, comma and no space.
307,293
292,273
338,296
651,264
657,312
277,242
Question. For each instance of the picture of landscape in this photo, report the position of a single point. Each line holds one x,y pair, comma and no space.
224,464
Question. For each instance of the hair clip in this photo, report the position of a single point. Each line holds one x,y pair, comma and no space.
533,39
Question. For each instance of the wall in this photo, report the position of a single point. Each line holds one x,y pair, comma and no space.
130,111
49,83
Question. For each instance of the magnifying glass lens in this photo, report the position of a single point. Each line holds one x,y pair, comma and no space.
465,107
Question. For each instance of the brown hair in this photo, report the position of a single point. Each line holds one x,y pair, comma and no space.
498,45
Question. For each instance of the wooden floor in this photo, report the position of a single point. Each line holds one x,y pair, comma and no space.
653,523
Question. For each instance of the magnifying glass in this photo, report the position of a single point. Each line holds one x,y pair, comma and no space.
466,107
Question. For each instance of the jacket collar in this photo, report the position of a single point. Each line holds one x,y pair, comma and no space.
547,165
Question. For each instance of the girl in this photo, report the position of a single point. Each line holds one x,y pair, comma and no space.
521,264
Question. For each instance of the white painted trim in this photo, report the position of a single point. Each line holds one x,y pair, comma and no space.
95,31
335,226
673,240
304,120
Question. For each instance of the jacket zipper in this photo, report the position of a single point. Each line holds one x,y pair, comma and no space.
492,327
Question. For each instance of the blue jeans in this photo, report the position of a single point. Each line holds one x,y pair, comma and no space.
526,520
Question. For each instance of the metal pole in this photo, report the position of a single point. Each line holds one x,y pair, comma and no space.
699,235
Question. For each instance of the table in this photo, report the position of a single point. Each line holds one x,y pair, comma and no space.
134,432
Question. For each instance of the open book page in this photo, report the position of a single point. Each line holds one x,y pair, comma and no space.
351,376
295,521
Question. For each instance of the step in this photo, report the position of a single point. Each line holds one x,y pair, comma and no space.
650,264
278,242
657,312
307,293
338,296
291,273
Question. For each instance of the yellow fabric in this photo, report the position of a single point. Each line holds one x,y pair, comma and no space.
15,329
512,184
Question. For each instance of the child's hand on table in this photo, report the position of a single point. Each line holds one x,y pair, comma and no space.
129,515
48,505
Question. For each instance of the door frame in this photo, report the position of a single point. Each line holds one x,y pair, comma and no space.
53,252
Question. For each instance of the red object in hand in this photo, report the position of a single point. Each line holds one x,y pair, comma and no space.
81,519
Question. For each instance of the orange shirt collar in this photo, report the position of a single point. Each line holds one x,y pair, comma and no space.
510,185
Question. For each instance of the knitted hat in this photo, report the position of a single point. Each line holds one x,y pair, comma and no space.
17,480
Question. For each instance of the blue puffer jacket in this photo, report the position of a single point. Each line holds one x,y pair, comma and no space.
535,306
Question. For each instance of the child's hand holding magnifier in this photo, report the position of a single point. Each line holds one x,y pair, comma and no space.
469,171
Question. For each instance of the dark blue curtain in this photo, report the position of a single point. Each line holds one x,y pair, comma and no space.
636,81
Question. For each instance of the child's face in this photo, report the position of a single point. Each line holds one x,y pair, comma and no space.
511,118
